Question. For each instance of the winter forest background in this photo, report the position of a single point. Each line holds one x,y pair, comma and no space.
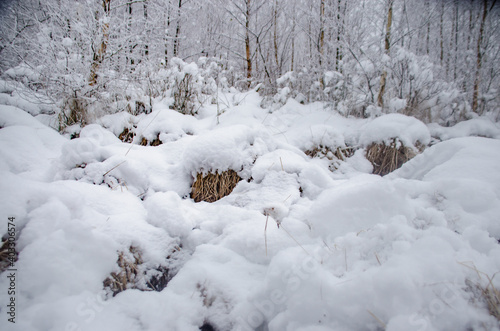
435,60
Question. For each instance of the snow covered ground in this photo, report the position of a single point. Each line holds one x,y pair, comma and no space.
353,251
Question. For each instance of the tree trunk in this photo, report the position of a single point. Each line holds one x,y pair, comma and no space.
427,41
166,37
321,44
177,30
456,42
275,36
98,56
247,43
131,47
383,78
146,46
471,24
441,42
479,60
293,44
338,55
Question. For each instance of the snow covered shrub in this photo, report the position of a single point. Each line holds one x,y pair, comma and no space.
285,88
339,153
335,87
25,75
75,111
219,159
184,95
139,108
418,93
214,186
129,271
155,142
335,155
304,85
127,135
210,72
391,140
132,273
187,86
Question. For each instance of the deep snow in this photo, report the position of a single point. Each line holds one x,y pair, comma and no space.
354,251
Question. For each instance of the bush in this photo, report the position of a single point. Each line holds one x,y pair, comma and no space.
75,111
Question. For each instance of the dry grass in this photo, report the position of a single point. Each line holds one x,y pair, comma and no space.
154,142
485,291
127,135
214,186
491,295
387,158
127,276
340,153
73,112
133,274
344,153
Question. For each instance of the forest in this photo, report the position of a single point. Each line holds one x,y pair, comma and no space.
434,60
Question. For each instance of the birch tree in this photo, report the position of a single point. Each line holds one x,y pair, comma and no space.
387,48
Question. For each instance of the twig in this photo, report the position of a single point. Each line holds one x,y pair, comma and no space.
288,233
265,235
378,260
116,166
377,319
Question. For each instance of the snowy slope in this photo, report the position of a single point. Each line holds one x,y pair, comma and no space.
353,251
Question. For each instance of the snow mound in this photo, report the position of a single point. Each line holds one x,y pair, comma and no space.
233,147
407,129
378,238
11,115
170,124
26,145
466,173
481,127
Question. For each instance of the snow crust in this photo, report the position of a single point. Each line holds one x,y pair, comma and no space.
295,246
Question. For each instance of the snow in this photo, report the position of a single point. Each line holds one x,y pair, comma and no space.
235,147
301,243
482,127
409,130
67,42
